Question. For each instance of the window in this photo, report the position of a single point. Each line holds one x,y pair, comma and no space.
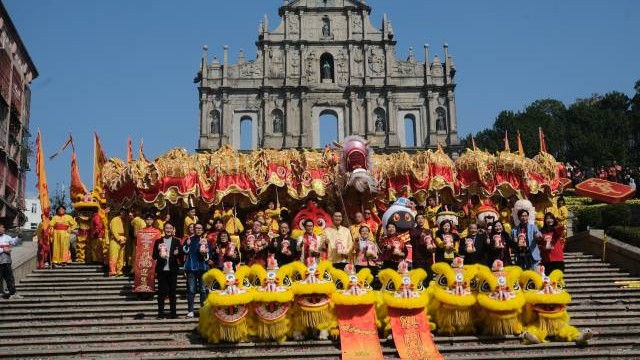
34,208
410,130
328,128
246,133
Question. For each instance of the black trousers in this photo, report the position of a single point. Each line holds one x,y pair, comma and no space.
167,283
6,274
553,265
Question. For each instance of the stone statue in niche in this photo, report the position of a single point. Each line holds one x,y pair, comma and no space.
215,122
278,122
326,28
380,123
441,120
327,70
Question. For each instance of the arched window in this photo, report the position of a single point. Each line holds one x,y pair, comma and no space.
410,130
380,120
326,67
441,119
215,122
328,128
246,133
277,120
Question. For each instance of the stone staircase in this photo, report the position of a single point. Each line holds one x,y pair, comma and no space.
77,312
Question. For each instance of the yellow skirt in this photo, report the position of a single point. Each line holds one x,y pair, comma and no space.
61,244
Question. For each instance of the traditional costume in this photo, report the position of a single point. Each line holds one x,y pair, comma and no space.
61,227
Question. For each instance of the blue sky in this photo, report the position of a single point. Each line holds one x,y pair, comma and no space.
125,68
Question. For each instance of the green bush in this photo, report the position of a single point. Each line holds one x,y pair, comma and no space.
588,216
616,214
603,216
626,234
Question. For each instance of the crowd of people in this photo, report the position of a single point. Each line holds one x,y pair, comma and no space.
365,243
615,172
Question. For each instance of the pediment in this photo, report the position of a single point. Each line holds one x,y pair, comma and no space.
319,4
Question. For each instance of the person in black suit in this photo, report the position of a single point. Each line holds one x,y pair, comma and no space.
167,252
473,247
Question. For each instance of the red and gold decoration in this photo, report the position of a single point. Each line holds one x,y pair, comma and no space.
604,190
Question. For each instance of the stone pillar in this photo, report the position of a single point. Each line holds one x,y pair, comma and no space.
225,69
226,124
354,124
369,127
285,120
392,116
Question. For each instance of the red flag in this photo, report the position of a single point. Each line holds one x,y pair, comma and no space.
141,152
543,143
520,147
506,141
63,147
99,159
77,189
129,151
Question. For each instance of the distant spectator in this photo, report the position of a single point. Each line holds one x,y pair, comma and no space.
6,273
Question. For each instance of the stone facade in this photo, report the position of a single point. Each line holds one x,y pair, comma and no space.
326,57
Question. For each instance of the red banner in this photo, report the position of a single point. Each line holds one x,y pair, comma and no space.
412,335
145,276
358,333
604,190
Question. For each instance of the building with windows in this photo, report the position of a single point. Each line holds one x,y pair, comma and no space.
326,69
16,73
32,212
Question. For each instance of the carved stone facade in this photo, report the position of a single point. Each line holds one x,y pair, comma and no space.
325,56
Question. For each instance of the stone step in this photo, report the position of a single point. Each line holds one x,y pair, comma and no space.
101,323
309,349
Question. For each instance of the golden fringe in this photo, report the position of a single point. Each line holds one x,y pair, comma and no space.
238,332
501,327
312,319
551,326
454,321
276,331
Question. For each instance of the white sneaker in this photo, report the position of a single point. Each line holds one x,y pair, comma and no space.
16,296
190,315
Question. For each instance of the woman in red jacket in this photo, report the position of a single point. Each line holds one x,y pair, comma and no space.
551,244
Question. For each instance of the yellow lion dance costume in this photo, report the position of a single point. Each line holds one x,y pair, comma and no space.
401,289
545,312
500,297
451,302
224,315
272,301
353,288
313,311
